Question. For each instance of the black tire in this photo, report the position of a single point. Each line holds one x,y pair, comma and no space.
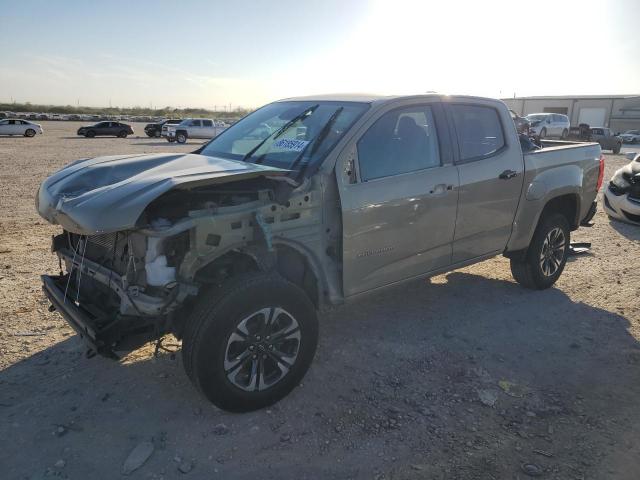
90,134
565,134
528,271
543,133
617,148
123,134
150,134
171,140
181,137
207,343
30,132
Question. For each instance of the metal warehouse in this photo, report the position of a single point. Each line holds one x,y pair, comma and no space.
618,112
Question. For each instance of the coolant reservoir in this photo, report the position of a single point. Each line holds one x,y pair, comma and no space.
158,273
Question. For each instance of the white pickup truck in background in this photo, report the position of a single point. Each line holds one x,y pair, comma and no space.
193,128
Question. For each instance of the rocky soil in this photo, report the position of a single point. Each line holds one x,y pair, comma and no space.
464,376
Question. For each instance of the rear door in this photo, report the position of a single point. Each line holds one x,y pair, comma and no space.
4,127
399,207
13,127
208,130
490,166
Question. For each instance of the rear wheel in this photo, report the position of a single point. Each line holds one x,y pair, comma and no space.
30,132
546,256
617,148
249,344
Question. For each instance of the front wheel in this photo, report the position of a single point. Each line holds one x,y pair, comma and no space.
250,343
181,138
565,134
30,132
90,134
543,133
171,140
123,134
546,256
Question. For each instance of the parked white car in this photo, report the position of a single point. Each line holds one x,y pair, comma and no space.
544,125
630,136
193,128
622,197
14,126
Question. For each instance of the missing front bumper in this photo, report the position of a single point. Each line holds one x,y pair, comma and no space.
103,333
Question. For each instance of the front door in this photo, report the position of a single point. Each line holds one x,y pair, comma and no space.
399,211
490,166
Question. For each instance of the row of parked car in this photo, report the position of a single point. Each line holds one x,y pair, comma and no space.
174,130
78,117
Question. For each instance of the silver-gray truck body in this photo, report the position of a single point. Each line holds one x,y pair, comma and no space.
351,236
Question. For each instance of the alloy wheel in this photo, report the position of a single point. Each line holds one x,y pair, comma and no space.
262,349
553,251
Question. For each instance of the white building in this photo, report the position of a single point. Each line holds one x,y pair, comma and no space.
618,112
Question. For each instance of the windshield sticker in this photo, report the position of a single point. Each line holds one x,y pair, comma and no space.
291,144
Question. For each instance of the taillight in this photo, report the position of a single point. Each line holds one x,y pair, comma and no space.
600,173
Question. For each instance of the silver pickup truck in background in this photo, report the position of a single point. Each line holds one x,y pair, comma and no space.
192,128
304,203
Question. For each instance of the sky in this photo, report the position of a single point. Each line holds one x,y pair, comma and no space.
197,53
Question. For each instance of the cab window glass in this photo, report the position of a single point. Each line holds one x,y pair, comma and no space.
207,123
401,141
478,129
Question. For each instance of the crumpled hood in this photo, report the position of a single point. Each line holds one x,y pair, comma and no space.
108,194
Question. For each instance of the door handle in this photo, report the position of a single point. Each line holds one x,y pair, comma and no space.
507,174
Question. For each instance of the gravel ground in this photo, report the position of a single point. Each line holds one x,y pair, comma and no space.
465,376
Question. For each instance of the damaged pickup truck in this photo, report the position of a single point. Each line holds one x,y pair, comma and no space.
302,204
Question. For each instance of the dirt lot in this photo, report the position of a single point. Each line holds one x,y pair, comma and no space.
394,393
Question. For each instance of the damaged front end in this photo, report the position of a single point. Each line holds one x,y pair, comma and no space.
124,242
118,290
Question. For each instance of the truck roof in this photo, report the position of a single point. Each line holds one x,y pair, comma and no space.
375,98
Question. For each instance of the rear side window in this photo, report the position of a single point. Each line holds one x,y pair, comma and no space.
478,129
207,123
401,141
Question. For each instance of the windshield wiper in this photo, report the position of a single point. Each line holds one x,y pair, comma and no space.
316,142
280,131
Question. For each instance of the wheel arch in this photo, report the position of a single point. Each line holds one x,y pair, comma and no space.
290,259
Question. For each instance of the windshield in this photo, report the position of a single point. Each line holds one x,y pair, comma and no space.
290,135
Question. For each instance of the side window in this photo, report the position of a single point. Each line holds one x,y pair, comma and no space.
195,123
4,122
12,122
401,141
478,130
207,123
